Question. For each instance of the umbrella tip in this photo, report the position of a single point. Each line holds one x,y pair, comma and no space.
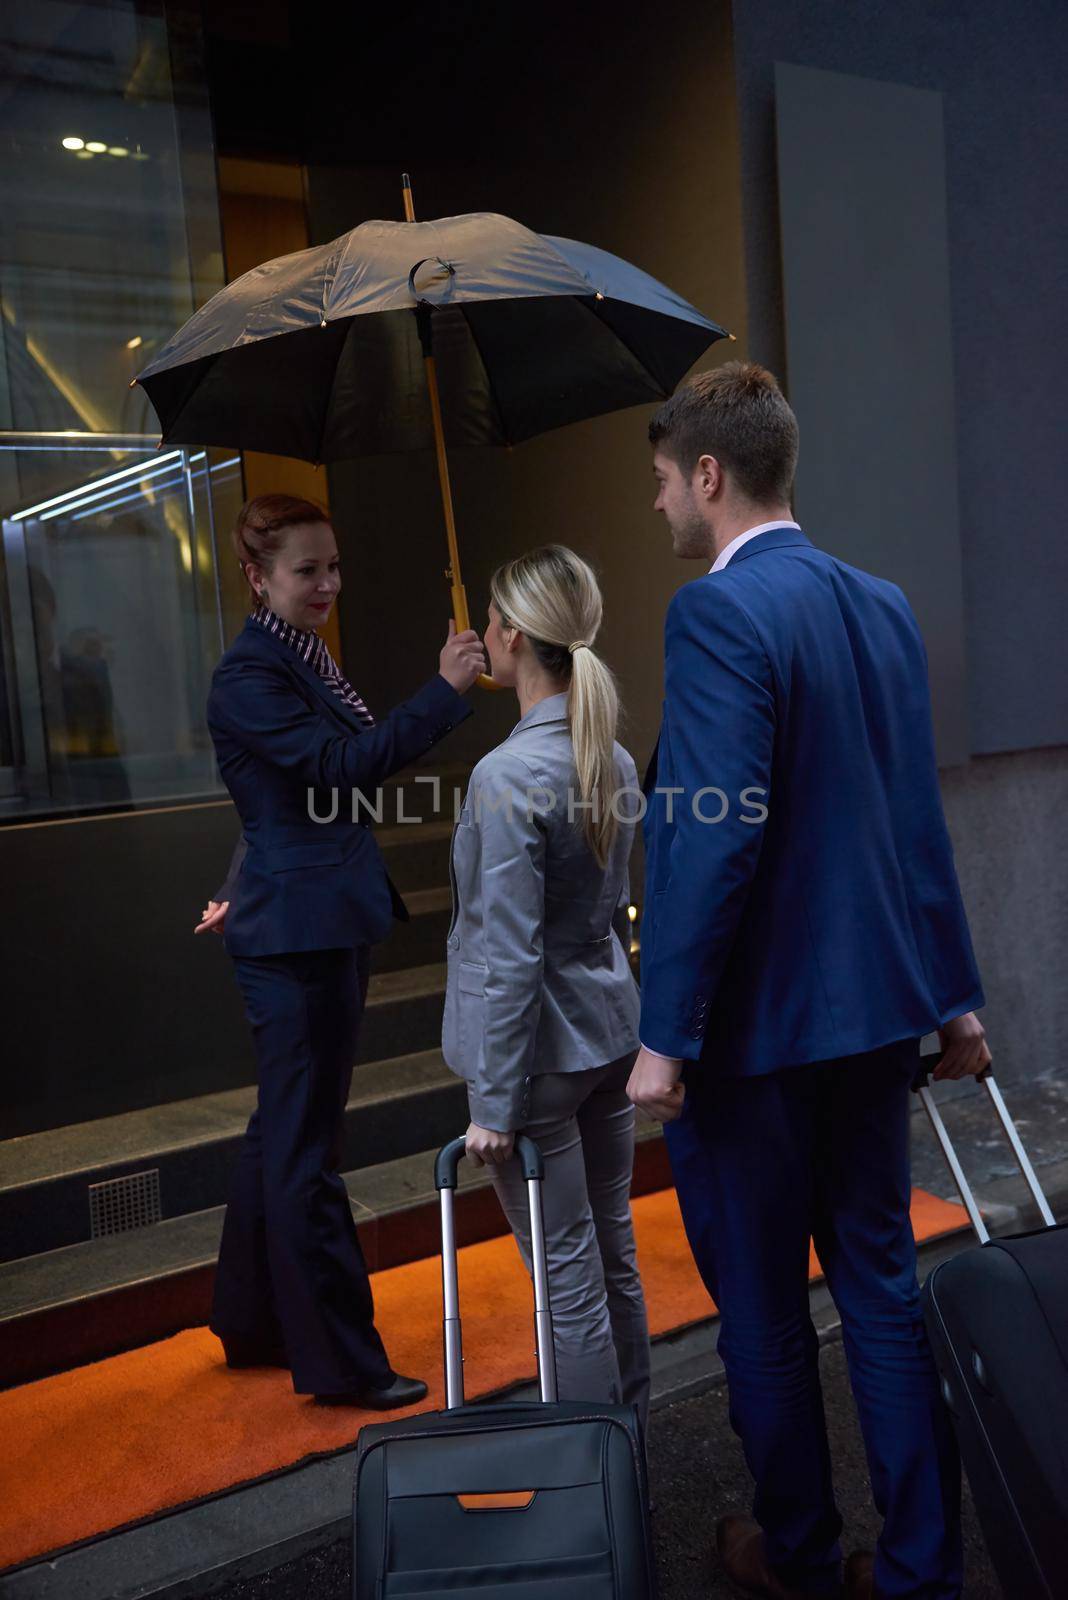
733,337
132,383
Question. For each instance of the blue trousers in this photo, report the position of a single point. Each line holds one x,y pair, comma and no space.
762,1164
290,1265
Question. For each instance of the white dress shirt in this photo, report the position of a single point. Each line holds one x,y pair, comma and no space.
730,550
722,560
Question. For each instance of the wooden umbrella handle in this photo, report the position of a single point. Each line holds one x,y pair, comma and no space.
452,574
459,595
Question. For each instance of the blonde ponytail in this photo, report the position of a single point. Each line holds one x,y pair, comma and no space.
553,597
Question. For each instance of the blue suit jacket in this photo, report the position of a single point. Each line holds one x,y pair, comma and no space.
285,743
836,924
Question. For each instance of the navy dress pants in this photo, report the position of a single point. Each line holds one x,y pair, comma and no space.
291,1270
761,1164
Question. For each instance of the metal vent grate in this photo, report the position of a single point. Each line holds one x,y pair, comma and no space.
122,1204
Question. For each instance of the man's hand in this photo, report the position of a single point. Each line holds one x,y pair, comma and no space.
965,1052
462,658
212,917
486,1147
654,1086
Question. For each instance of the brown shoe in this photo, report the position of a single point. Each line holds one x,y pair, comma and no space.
860,1576
740,1544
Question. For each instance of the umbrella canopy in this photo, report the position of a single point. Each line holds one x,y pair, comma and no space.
319,355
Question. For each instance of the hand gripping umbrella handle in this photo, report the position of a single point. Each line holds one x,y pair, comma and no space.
460,617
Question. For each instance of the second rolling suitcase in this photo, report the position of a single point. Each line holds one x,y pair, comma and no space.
998,1323
540,1501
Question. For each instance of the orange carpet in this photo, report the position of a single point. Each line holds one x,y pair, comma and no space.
123,1439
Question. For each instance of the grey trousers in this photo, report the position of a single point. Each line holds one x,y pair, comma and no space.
583,1124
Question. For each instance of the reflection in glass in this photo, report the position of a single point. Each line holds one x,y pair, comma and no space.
112,617
112,608
110,216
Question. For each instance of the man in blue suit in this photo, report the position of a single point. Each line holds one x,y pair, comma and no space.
803,928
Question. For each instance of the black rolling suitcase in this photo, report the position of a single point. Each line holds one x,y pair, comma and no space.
998,1322
537,1501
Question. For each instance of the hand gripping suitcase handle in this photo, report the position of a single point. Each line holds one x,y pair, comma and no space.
446,1170
447,1166
921,1085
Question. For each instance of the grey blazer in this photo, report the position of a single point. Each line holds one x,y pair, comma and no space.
538,976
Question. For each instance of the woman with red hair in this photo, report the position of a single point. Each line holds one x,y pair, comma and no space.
304,901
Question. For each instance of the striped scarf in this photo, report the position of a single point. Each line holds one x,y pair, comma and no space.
312,650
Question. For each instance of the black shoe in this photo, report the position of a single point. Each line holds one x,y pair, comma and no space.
242,1351
401,1392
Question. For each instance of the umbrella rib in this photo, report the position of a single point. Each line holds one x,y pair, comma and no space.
590,303
168,434
333,386
489,378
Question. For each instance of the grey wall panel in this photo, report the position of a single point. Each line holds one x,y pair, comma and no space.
868,353
1000,66
1004,815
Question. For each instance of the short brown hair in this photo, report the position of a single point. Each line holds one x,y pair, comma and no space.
262,523
738,414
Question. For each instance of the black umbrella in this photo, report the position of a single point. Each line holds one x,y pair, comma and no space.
400,336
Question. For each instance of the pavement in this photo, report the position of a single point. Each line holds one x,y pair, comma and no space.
697,1475
287,1538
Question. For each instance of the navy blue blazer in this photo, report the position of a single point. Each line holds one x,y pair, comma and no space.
799,684
286,744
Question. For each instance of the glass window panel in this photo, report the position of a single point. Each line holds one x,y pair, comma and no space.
106,247
112,619
113,606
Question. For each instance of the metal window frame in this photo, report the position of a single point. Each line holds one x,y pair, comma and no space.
24,707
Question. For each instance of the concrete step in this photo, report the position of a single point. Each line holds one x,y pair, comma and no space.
403,1012
416,854
69,1306
422,940
395,1107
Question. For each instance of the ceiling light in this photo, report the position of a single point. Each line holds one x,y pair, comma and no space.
141,155
117,150
73,144
96,147
83,155
132,344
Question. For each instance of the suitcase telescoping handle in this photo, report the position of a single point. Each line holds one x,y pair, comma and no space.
446,1170
921,1084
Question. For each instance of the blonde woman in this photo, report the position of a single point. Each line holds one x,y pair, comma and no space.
541,1009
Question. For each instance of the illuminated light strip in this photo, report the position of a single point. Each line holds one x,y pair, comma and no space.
90,499
115,477
128,499
113,505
